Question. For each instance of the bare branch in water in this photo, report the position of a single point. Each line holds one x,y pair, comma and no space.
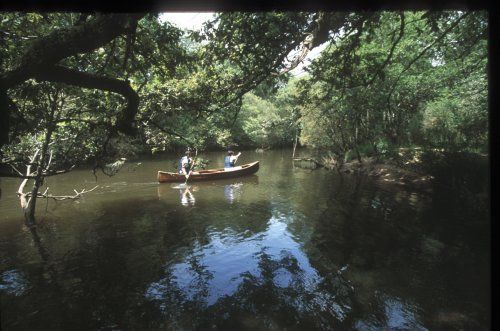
77,194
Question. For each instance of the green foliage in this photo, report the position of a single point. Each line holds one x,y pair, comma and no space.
386,79
382,146
431,90
81,121
259,119
367,150
268,122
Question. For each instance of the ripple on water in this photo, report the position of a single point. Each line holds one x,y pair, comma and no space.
220,267
13,282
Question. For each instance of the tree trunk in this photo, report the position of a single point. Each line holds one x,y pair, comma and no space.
4,116
357,154
356,149
29,210
295,144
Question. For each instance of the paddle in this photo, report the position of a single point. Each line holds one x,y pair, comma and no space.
192,166
236,159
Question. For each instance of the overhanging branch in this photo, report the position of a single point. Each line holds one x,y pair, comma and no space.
65,42
69,76
45,52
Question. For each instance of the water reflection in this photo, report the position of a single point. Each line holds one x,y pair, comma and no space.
267,274
187,198
232,191
13,282
396,314
295,249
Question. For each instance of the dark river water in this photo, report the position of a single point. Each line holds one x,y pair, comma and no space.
287,248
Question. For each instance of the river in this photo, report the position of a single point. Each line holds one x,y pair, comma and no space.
286,248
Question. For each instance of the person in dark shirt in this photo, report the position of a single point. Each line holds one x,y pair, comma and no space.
230,159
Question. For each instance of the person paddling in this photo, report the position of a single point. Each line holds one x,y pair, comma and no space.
230,159
186,164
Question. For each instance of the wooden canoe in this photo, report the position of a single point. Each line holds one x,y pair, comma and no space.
243,170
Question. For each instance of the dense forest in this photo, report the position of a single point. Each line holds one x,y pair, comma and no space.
93,88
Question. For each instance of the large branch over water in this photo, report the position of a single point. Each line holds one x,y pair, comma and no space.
65,42
74,77
40,59
318,35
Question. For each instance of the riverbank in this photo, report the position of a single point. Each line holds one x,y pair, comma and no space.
389,172
421,169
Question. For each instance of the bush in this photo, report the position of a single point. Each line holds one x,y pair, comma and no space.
367,150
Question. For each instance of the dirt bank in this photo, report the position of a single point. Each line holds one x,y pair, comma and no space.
423,169
389,172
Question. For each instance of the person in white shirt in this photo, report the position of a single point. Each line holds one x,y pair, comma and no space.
185,164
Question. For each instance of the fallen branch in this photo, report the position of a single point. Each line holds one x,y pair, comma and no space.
32,175
63,197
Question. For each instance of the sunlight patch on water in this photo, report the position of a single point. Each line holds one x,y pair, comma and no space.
222,267
13,283
398,315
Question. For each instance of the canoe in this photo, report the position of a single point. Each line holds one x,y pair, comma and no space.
243,170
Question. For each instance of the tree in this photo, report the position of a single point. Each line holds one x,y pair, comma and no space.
84,51
389,80
43,60
128,77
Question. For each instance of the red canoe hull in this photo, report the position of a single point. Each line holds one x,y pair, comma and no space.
243,170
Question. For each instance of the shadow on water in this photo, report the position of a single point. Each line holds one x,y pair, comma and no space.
286,248
411,262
